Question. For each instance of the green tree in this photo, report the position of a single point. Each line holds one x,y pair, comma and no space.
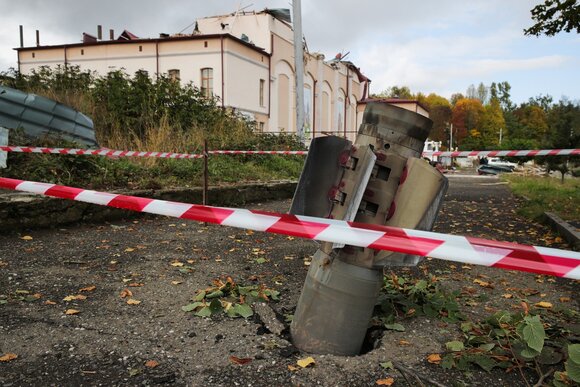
399,92
491,123
554,16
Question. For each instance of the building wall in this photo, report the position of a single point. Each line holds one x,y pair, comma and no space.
332,89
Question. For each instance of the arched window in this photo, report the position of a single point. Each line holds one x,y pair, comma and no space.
207,82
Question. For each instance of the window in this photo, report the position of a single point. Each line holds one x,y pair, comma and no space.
262,84
261,127
174,75
82,51
205,43
140,48
33,55
207,82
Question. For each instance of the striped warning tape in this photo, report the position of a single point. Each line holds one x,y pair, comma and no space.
470,250
509,153
170,155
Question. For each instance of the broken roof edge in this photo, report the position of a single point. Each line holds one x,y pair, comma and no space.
393,101
147,40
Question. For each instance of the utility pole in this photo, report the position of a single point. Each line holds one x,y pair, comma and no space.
299,66
451,138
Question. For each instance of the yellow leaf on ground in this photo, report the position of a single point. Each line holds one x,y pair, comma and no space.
434,358
176,282
26,238
125,293
132,301
75,297
483,284
135,284
151,363
129,249
308,361
8,357
292,368
88,289
177,264
72,311
544,304
507,295
404,342
385,382
48,302
564,299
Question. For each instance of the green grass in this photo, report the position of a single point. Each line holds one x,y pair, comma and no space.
547,194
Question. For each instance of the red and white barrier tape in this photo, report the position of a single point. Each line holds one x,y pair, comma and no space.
478,251
99,152
510,153
169,155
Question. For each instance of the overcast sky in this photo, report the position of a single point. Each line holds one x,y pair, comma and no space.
431,46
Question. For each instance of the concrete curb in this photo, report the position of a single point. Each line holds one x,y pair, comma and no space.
567,231
25,211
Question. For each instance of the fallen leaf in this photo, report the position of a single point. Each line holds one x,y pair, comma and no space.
434,358
564,299
308,361
241,361
129,249
404,342
8,357
151,363
48,302
292,368
177,264
26,238
385,382
135,284
88,289
132,301
544,304
483,284
76,297
72,311
176,282
507,295
125,293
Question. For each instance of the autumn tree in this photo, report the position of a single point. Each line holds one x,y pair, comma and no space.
466,116
492,124
554,16
439,112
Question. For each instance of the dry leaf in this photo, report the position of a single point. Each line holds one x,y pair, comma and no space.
385,382
177,264
564,299
483,284
88,289
151,363
507,295
76,297
238,360
132,301
8,357
292,368
404,342
129,249
434,358
48,302
176,282
135,284
26,238
72,311
126,293
306,362
544,304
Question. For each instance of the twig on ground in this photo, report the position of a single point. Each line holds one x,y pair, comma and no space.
543,377
416,375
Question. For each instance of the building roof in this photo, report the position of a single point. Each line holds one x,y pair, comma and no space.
130,38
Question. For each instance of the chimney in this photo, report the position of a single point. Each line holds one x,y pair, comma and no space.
111,34
100,32
37,38
21,37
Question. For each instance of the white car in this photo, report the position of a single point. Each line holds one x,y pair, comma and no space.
500,162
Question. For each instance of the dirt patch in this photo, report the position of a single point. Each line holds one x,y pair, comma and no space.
110,342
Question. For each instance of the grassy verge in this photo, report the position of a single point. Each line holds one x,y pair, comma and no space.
547,194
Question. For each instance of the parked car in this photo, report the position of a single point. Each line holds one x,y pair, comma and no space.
493,169
496,161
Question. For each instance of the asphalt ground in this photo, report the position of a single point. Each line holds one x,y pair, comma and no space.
163,262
